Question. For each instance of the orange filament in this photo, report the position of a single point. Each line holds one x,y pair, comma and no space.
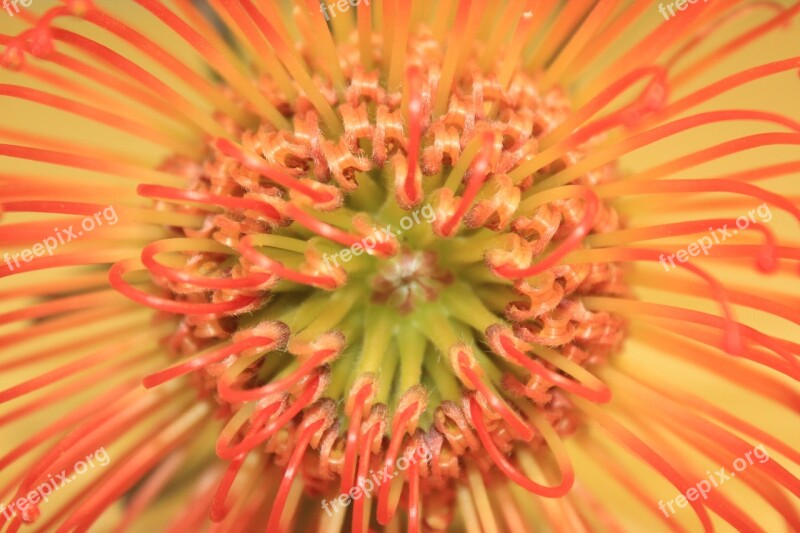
522,429
215,58
413,188
274,267
218,510
158,191
400,425
204,359
359,405
147,47
115,278
202,121
98,115
229,452
230,393
567,474
641,449
252,281
274,522
599,396
731,46
383,248
359,525
479,170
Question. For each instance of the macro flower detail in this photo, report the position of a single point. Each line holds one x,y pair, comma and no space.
396,246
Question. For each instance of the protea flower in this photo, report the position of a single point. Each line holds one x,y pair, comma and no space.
383,266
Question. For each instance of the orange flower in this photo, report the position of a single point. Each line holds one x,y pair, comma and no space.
371,265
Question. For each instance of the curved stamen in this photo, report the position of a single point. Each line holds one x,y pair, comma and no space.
720,53
414,516
521,428
115,278
383,247
228,392
412,188
171,193
399,427
101,116
359,405
251,254
226,451
218,511
179,275
717,25
479,170
363,466
567,474
791,368
603,395
766,261
215,59
644,185
204,359
619,148
273,524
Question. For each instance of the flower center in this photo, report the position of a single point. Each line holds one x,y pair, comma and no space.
400,261
409,278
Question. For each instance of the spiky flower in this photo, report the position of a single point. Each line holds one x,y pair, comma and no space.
378,270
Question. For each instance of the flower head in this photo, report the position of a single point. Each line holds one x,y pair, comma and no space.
383,270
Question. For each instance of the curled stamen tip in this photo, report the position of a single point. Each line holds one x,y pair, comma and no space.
324,410
416,397
13,58
364,389
516,255
331,198
497,335
461,357
31,513
407,186
483,404
386,244
322,378
41,43
331,341
444,205
377,415
732,341
453,424
497,206
280,398
273,329
316,265
329,463
79,8
767,264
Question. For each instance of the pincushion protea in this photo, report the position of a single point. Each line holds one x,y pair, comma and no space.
402,235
